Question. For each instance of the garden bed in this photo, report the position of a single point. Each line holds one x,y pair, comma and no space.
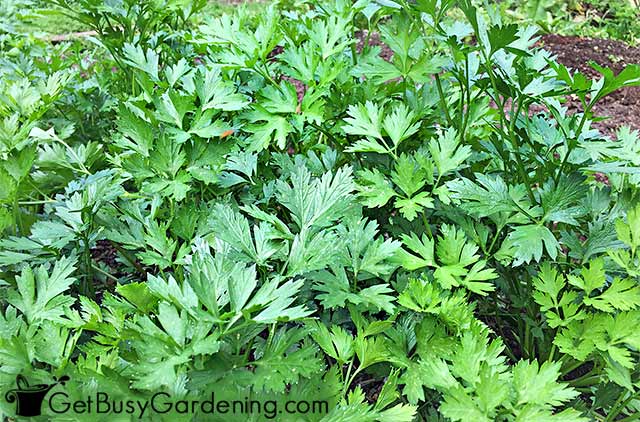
621,107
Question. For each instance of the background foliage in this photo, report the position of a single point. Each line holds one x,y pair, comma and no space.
383,204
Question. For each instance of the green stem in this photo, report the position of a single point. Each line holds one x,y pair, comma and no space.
83,169
620,405
87,287
571,367
17,217
495,237
467,92
633,417
350,380
585,381
527,343
426,225
103,272
552,352
443,101
514,144
128,257
354,53
42,202
325,132
272,331
572,143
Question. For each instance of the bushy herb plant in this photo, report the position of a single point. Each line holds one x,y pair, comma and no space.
313,202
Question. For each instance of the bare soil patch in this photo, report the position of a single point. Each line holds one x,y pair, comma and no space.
621,107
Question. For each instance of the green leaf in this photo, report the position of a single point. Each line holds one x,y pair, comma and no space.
138,133
364,120
233,228
375,68
459,406
421,296
299,64
241,287
174,324
337,343
622,294
370,350
560,203
446,153
629,76
373,188
379,297
318,202
400,124
139,295
172,107
408,175
365,252
216,93
272,128
421,255
273,373
502,36
285,361
398,413
492,391
335,287
629,232
491,196
177,71
8,186
147,62
368,145
409,207
538,384
277,300
40,296
528,242
279,101
330,35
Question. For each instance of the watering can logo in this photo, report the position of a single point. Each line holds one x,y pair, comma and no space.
29,398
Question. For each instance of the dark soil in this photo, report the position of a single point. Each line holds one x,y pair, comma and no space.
105,253
621,107
579,371
370,386
373,40
504,331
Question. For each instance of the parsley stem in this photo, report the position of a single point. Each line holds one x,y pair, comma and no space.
527,336
572,367
552,352
576,137
352,378
354,53
128,257
586,381
467,92
620,405
325,132
630,418
347,376
443,101
103,272
495,237
426,225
